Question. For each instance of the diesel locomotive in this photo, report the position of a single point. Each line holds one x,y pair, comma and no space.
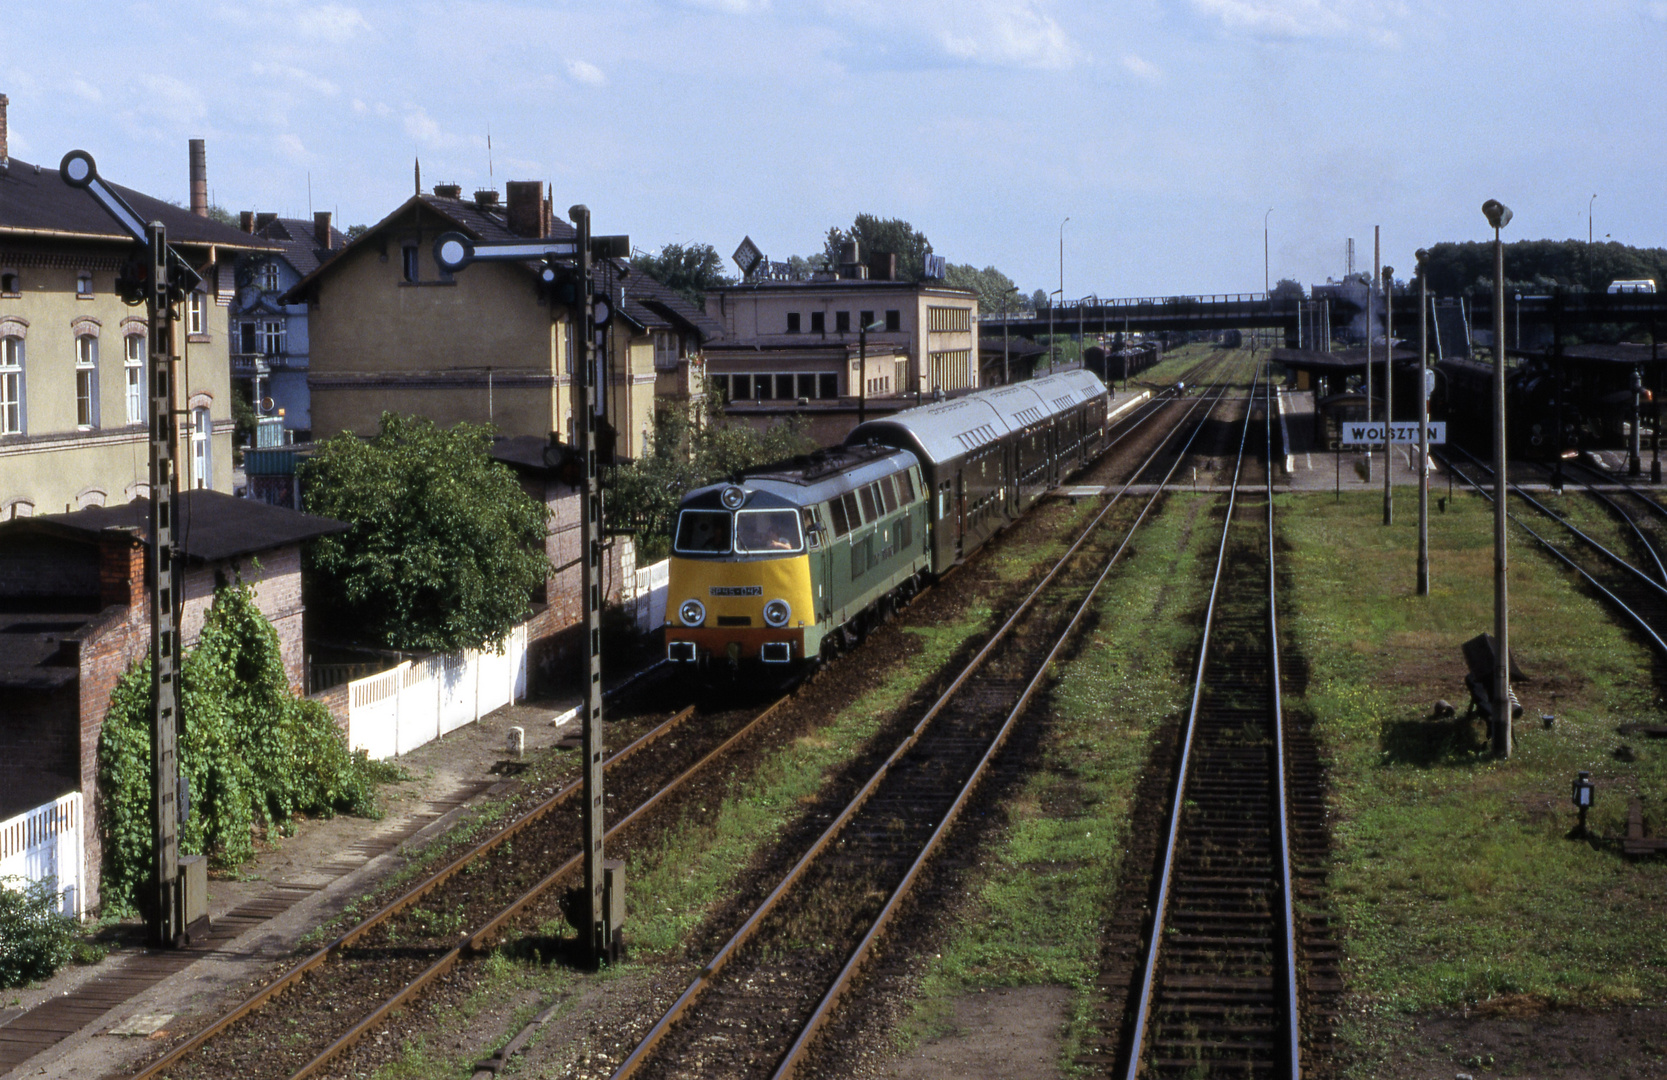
794,561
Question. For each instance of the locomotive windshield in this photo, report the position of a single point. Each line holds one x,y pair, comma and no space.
765,532
703,532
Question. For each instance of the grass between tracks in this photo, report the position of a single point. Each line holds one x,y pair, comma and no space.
1041,891
1456,876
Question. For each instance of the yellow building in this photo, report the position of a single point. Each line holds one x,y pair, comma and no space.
73,392
787,337
391,331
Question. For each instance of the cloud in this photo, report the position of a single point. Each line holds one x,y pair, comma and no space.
582,72
730,7
299,76
423,128
290,145
1656,9
330,22
172,99
1141,68
1308,18
85,90
996,33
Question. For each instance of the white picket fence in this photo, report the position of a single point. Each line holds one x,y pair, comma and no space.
45,843
647,599
417,702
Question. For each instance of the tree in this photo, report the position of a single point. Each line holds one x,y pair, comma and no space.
1039,300
692,447
690,269
1287,289
355,231
445,549
993,287
881,236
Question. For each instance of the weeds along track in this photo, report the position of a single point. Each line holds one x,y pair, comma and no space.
1206,964
1634,592
298,1023
758,1005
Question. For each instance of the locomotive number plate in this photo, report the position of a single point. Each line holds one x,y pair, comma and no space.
736,590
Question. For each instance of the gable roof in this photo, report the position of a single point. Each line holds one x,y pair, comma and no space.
300,245
35,202
647,303
211,525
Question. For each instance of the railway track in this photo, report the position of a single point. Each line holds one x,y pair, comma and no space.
338,995
757,1006
1220,960
1632,591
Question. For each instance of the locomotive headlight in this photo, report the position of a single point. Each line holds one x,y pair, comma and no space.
777,612
693,613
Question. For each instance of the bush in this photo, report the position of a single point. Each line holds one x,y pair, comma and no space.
35,940
251,750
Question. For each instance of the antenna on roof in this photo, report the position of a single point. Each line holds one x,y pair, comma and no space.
488,155
309,193
419,174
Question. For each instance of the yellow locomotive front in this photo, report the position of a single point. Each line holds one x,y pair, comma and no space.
739,589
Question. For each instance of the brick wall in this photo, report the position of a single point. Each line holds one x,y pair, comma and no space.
112,644
276,579
553,634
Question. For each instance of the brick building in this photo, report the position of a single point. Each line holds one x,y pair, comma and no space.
75,616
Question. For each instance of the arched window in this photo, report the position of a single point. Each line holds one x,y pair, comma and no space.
133,369
11,385
86,381
202,428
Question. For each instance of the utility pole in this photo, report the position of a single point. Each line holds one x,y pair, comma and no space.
1371,321
1423,426
158,278
1388,396
1499,215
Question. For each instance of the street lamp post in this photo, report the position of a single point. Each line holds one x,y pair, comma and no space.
1499,215
1265,279
1423,388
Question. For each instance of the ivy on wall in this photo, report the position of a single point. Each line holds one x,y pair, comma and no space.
255,755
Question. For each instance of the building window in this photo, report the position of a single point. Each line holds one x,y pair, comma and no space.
272,337
84,284
246,336
665,350
842,322
792,322
948,319
86,381
818,323
894,320
134,371
196,313
9,282
408,260
269,276
201,429
11,386
865,318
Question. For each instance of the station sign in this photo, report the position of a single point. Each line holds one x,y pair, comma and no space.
1372,434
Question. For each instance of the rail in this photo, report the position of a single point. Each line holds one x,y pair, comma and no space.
807,1029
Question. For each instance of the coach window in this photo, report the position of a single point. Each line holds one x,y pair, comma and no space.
889,493
767,532
836,511
870,510
852,514
703,532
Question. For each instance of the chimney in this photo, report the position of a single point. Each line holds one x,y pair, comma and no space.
121,567
449,191
246,220
883,267
850,262
5,162
526,207
321,229
486,198
199,178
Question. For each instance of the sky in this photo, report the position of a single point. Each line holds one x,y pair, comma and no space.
1164,130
